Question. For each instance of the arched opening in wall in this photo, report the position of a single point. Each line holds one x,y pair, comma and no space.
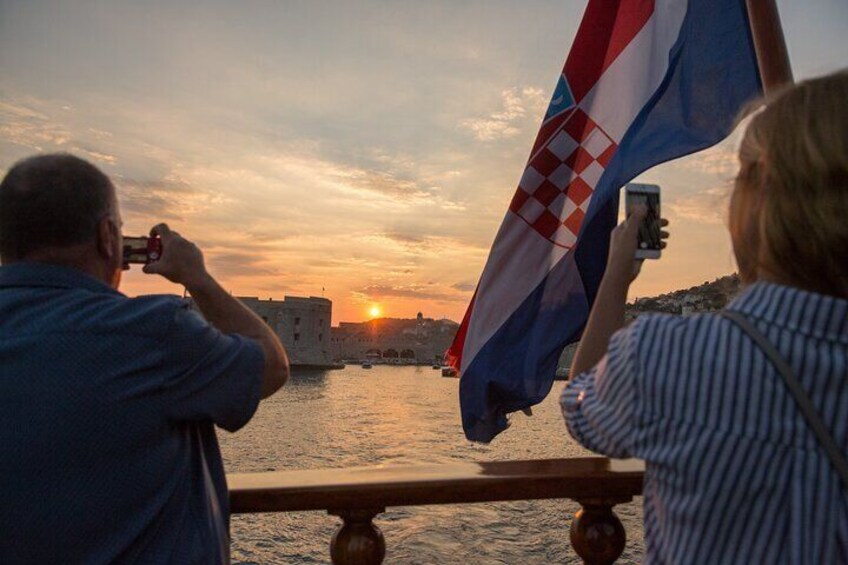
390,354
373,353
407,354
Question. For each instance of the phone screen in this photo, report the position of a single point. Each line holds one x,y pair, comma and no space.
648,245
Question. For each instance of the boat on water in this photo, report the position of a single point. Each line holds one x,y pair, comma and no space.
561,374
366,365
448,371
436,367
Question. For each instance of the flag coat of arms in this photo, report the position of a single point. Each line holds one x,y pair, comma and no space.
645,81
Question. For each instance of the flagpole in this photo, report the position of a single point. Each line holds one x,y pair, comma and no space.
772,55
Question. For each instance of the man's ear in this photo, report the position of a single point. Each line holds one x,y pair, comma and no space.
107,238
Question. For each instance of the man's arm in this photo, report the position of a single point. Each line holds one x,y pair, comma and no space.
182,263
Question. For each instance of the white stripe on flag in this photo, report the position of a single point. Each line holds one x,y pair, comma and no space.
519,260
634,76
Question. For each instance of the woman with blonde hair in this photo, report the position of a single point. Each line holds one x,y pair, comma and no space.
741,416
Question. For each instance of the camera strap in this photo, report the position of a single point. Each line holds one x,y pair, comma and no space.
811,415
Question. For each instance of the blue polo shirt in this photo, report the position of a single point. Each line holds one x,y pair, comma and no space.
108,405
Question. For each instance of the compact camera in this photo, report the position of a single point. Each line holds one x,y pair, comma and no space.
141,250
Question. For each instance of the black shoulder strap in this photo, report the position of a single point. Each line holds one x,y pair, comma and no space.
827,442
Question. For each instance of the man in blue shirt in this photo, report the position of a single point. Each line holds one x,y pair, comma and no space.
108,404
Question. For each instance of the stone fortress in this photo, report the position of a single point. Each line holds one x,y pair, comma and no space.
302,324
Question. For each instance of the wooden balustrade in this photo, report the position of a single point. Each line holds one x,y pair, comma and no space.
359,494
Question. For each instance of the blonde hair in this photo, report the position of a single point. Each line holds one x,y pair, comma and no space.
789,207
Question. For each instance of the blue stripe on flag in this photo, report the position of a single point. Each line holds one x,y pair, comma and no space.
532,338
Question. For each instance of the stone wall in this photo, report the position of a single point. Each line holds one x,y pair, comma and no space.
302,324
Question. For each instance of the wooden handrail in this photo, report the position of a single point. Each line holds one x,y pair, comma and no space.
358,494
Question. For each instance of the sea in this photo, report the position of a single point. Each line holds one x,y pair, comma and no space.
401,415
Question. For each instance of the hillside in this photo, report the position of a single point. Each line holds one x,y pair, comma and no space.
707,297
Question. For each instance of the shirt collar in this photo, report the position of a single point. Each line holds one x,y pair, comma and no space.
817,315
50,276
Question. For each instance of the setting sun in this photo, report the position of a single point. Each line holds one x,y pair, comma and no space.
374,311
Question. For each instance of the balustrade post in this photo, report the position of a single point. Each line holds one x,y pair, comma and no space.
357,541
597,535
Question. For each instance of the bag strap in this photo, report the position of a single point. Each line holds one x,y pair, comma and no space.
827,442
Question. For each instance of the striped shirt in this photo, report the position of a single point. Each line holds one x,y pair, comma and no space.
733,472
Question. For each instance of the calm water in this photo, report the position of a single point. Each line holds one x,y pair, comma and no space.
393,416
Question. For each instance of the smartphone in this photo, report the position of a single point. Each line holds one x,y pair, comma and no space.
141,250
648,245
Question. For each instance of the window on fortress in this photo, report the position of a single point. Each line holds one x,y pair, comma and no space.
296,321
320,336
296,337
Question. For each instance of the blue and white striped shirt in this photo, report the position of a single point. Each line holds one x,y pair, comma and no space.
733,472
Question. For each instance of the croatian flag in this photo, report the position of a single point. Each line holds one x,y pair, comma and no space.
646,81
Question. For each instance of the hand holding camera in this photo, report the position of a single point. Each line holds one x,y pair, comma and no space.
176,258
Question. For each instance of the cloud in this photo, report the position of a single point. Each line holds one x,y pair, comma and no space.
430,245
717,160
266,236
25,123
507,121
96,155
405,238
706,207
169,198
467,286
377,292
315,172
386,183
240,265
42,127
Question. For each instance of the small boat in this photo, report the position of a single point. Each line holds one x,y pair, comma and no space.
437,367
561,374
449,372
366,365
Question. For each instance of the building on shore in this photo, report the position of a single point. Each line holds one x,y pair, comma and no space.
418,340
302,324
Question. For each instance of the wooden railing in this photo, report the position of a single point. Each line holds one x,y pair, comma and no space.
358,494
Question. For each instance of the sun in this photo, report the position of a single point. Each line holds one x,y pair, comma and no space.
374,311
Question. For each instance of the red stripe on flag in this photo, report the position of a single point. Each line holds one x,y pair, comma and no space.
453,356
608,26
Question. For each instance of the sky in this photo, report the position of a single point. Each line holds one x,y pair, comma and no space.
361,150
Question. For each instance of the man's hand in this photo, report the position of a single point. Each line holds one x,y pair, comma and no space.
181,261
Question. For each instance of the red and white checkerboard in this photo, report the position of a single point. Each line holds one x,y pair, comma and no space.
557,186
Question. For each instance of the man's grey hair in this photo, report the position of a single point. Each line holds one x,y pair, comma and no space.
51,201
